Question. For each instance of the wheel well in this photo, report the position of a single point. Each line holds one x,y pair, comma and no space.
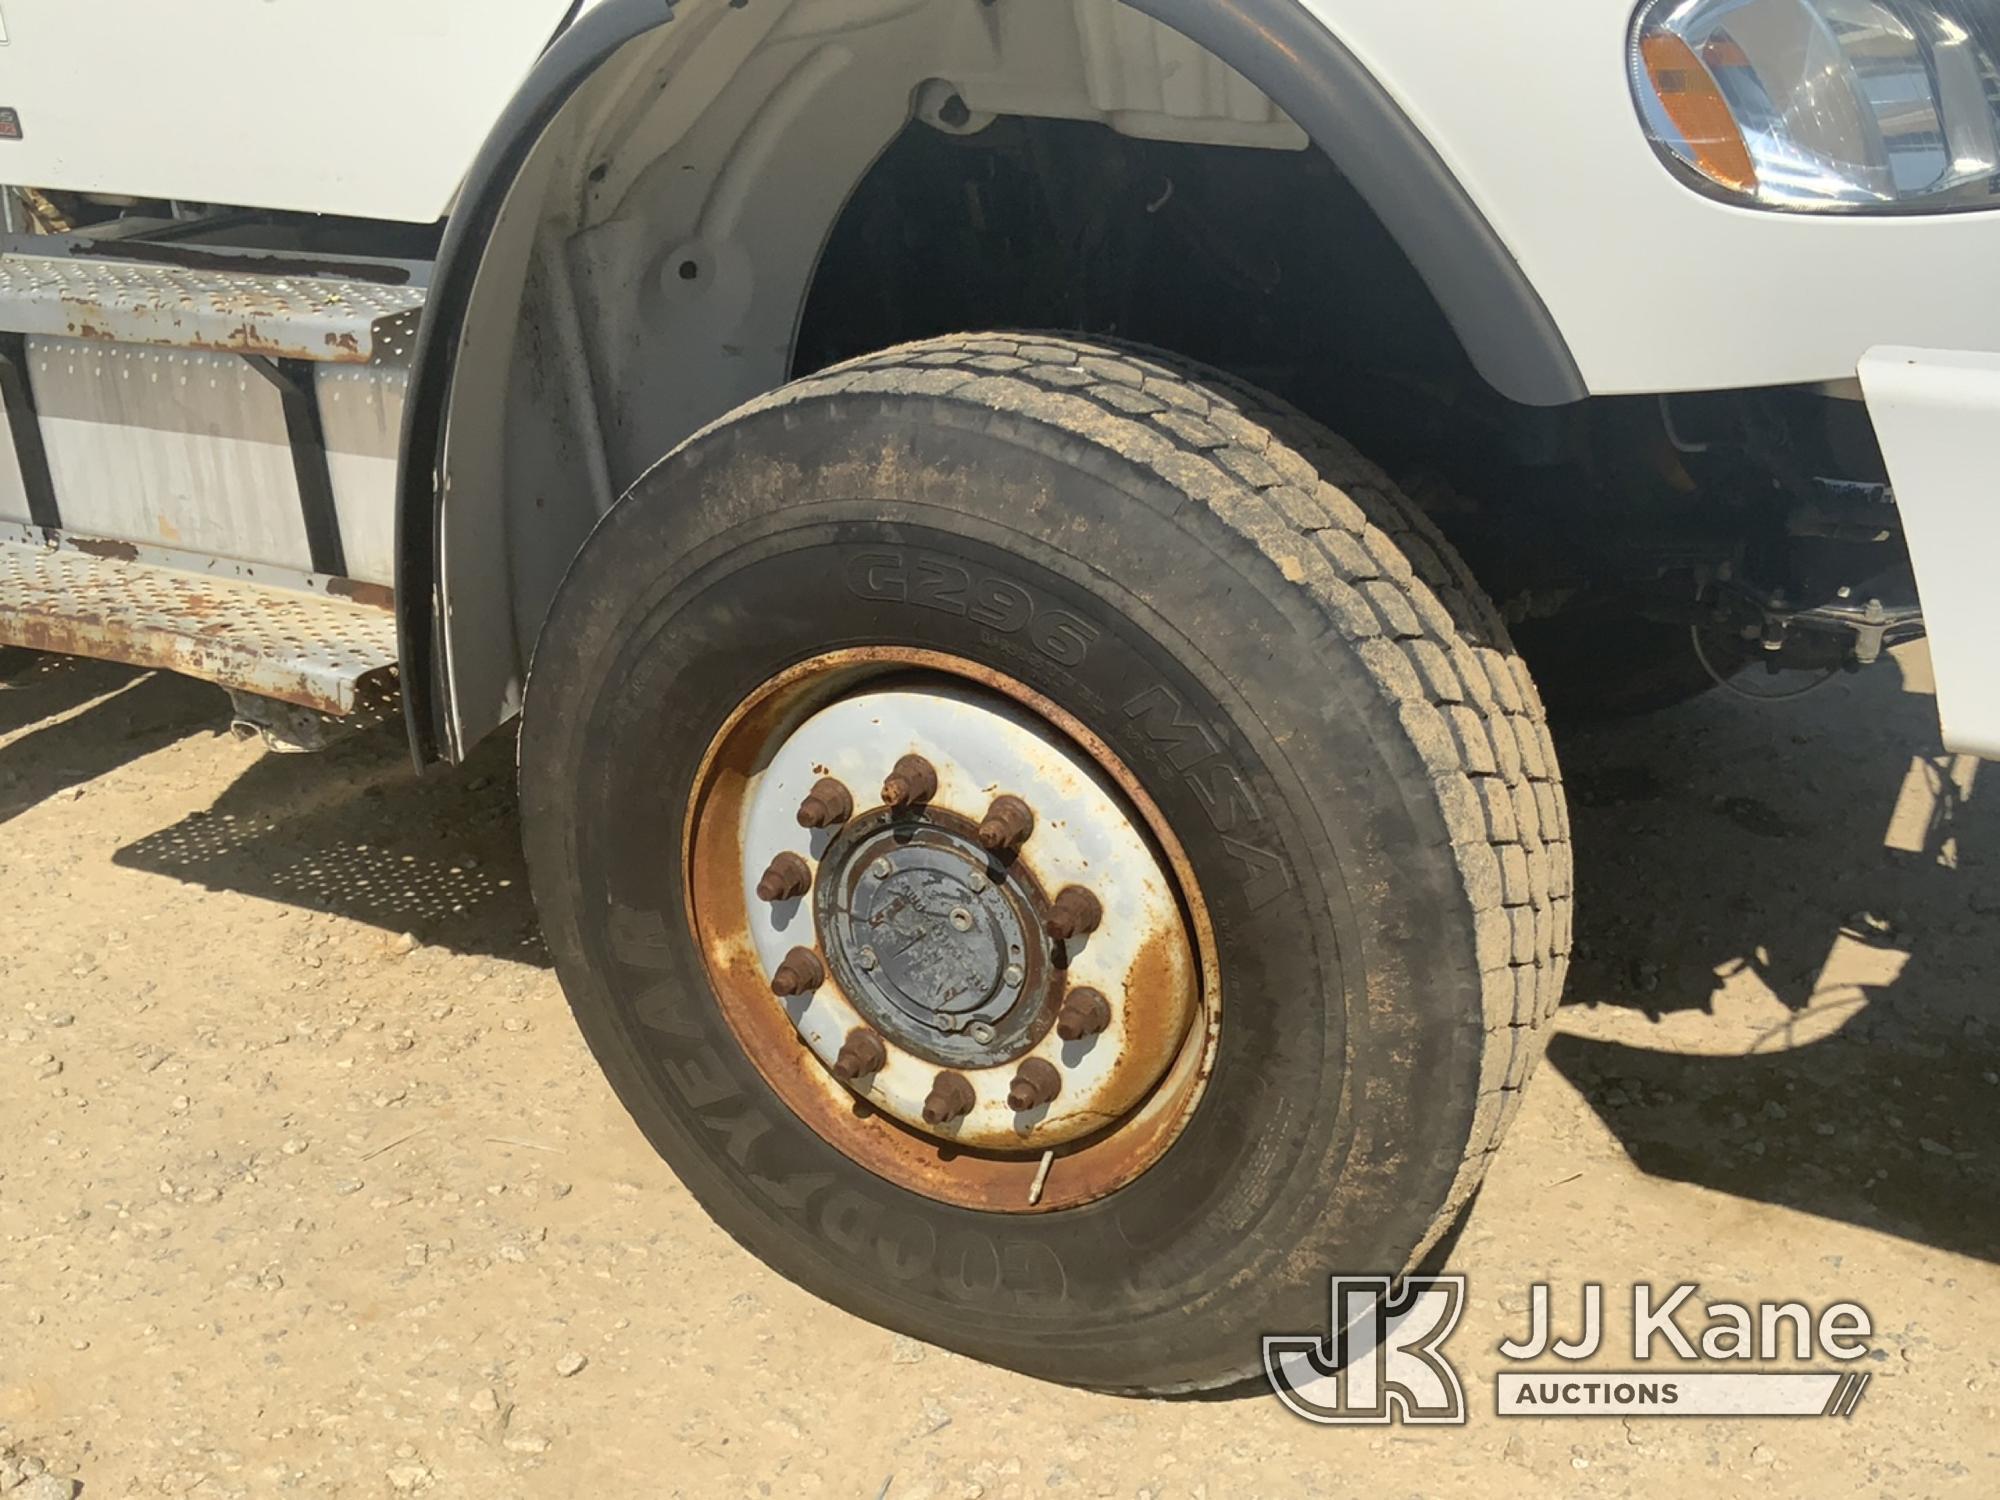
1268,264
633,254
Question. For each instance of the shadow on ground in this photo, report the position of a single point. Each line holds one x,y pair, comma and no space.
355,832
85,718
1821,881
351,831
1811,888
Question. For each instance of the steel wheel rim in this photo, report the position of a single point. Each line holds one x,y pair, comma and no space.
992,1157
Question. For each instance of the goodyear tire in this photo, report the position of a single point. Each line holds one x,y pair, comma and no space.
1301,678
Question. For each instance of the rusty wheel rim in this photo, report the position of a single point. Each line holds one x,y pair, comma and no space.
1024,1040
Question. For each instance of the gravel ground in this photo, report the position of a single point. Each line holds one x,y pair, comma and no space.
309,1186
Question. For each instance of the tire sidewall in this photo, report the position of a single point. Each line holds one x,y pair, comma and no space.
1342,1092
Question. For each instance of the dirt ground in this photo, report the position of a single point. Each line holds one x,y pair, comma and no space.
309,1187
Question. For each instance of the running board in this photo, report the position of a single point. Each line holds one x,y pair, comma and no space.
223,311
296,646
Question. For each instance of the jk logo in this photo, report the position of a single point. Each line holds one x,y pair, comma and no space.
1379,1360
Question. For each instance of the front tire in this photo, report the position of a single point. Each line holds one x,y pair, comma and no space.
1297,674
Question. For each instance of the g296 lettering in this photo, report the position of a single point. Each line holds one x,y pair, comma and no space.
988,599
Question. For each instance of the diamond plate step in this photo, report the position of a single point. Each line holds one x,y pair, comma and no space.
225,311
288,644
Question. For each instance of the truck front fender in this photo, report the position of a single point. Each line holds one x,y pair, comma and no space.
580,50
467,622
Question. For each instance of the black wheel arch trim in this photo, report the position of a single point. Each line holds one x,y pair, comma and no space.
1307,71
1278,45
585,43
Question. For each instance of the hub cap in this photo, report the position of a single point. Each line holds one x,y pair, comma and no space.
949,1041
936,946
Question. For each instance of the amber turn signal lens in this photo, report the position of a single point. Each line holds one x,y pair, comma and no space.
1688,94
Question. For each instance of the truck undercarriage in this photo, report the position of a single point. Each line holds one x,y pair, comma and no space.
1617,534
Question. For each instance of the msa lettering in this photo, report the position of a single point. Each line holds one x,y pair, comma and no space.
1197,750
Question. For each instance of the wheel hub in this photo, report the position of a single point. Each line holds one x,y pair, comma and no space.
937,944
955,906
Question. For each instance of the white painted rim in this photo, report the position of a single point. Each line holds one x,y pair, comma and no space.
983,745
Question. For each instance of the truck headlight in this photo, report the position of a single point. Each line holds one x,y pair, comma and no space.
1854,106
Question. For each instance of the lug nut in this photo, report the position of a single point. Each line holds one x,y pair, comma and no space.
801,971
788,876
1006,826
950,1097
827,805
1084,1013
1037,1082
1076,912
914,780
861,1054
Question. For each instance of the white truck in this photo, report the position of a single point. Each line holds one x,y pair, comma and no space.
1059,849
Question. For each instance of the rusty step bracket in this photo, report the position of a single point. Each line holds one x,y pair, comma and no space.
224,311
289,644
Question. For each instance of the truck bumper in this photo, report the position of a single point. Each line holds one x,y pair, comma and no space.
1937,417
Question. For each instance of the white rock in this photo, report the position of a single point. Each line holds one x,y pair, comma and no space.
405,1478
570,1363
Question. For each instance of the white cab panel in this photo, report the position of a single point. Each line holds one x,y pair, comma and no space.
373,108
1655,287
